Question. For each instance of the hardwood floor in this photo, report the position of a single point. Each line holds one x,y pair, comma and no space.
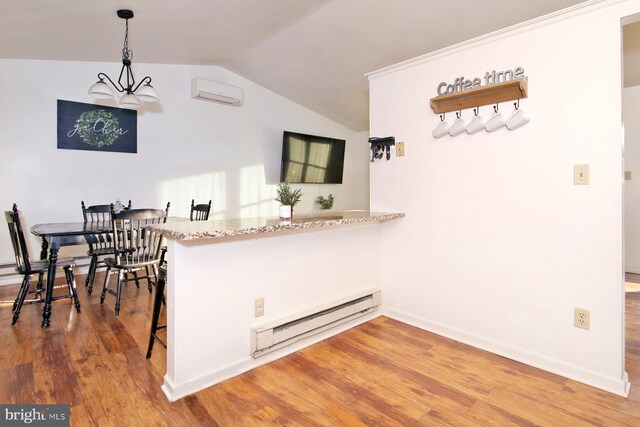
381,373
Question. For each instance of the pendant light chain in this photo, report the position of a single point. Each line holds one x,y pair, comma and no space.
126,53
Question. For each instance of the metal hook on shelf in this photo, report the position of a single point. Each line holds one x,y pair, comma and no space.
495,108
476,111
517,104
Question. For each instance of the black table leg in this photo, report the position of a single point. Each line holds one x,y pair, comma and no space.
51,277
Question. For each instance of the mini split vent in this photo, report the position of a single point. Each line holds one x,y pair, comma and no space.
216,92
272,336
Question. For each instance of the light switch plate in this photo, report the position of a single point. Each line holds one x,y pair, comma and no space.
399,149
581,174
627,175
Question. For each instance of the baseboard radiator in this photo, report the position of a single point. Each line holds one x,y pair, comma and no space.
280,333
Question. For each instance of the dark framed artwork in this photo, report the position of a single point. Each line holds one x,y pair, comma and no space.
96,128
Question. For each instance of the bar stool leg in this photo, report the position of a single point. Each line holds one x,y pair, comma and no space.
157,305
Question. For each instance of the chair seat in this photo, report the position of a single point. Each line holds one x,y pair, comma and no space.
111,262
42,266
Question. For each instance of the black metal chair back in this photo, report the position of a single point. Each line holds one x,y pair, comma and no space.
200,212
20,250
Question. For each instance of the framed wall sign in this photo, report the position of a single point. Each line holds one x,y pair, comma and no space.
96,128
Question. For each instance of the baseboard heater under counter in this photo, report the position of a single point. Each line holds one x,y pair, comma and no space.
280,333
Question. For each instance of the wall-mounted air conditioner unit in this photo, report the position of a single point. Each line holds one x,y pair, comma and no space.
216,92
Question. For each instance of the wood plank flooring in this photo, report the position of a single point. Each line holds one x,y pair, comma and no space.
382,373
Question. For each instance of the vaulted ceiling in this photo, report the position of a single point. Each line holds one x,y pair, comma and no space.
314,52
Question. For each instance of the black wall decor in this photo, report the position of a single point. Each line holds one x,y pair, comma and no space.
96,128
379,146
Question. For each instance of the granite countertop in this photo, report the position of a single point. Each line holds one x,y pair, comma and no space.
219,228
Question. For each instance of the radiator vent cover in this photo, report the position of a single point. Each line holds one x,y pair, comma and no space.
274,335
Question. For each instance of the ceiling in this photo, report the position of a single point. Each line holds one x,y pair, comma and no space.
314,52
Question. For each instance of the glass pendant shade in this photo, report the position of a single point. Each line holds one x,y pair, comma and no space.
130,101
101,90
147,93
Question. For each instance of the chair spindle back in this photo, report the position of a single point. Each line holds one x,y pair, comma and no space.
200,212
133,243
20,249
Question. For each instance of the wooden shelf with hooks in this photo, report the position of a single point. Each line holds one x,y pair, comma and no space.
485,95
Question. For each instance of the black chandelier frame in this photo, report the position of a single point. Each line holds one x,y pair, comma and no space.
127,54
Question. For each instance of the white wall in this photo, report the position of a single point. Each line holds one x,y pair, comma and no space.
630,114
293,273
498,245
186,148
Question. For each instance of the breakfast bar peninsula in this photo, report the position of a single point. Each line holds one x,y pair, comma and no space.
222,274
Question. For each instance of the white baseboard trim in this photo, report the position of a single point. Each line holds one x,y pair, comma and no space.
618,386
175,391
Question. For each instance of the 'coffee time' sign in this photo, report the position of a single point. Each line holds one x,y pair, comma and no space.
461,84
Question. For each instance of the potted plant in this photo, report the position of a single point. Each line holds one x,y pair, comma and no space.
325,203
288,199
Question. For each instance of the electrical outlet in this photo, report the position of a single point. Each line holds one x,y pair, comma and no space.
399,149
258,307
581,318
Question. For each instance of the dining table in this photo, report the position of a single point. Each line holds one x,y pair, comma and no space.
56,235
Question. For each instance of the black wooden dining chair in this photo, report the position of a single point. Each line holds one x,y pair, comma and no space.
134,247
28,268
200,212
100,245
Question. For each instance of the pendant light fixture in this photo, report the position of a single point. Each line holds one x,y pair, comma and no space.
133,94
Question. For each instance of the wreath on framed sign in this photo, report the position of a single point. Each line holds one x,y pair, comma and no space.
97,128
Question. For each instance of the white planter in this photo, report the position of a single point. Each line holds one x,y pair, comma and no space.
285,212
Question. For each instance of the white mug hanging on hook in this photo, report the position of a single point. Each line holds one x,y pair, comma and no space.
496,121
458,126
477,124
518,118
442,129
